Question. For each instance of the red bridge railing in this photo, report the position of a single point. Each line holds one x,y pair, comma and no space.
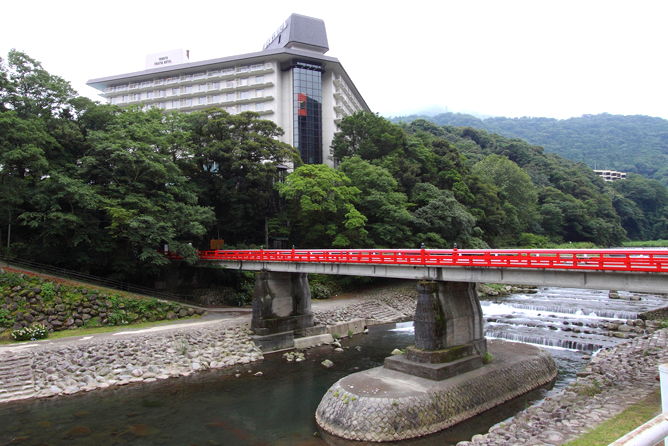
646,260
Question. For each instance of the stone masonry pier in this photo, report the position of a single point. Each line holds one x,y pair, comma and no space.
281,309
385,405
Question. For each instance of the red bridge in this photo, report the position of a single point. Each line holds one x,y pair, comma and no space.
644,260
642,270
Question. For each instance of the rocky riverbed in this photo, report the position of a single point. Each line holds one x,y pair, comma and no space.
614,380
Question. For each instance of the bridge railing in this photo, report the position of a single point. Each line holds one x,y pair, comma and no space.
647,260
656,429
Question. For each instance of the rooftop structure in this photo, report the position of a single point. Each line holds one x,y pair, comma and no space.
290,82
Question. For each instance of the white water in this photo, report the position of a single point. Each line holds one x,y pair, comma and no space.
569,319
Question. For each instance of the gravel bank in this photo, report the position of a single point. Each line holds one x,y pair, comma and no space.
614,380
82,365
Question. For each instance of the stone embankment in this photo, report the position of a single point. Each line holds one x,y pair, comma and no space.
50,369
614,380
393,304
27,298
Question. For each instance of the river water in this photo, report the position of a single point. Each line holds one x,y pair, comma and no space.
278,406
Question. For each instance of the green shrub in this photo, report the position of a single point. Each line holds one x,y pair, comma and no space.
320,291
31,333
5,319
116,318
48,291
529,240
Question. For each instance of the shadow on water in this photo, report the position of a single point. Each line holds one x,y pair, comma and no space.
221,408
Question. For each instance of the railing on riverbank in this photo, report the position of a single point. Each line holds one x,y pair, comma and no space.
656,429
642,260
92,280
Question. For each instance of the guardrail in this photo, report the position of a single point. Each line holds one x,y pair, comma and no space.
643,260
93,280
656,429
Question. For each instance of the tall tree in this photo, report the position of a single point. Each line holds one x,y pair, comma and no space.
382,204
321,205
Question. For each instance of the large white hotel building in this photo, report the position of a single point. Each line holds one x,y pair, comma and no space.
290,82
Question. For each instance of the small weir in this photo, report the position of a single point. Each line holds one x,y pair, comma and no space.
565,318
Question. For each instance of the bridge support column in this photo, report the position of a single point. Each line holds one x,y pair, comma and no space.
449,337
281,309
440,381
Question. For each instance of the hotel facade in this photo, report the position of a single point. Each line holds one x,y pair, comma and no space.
290,82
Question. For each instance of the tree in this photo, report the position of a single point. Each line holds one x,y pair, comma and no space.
385,207
514,183
143,194
34,92
321,207
441,220
235,165
367,135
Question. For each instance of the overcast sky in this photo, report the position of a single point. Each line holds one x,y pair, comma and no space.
504,58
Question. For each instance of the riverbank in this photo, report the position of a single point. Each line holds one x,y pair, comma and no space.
614,379
80,364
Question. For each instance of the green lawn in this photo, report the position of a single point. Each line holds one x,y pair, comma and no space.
647,244
85,331
622,424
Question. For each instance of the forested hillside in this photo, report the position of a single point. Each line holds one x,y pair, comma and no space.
103,189
635,144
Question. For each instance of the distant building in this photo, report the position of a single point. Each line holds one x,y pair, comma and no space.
290,82
610,175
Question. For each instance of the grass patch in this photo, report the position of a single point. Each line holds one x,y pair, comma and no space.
85,331
622,424
647,244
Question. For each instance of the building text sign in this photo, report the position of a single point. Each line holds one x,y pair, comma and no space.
166,58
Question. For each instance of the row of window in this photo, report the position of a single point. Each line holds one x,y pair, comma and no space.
233,96
190,77
231,109
346,90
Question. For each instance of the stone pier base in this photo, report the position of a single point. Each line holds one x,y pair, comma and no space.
386,405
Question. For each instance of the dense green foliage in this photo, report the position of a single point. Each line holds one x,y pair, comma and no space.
31,306
102,189
634,144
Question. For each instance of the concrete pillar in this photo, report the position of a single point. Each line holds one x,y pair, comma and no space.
448,314
281,307
449,337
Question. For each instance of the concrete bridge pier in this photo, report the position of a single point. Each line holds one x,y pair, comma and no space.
449,338
440,381
281,309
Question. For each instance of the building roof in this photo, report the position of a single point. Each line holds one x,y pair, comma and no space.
300,30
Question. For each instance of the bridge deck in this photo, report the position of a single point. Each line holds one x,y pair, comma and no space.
643,270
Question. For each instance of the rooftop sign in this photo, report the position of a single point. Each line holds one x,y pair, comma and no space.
276,33
166,58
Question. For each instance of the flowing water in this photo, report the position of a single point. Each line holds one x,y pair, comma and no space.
277,408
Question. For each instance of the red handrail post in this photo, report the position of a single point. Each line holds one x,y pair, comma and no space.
422,254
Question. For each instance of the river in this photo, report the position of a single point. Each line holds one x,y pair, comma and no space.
273,402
